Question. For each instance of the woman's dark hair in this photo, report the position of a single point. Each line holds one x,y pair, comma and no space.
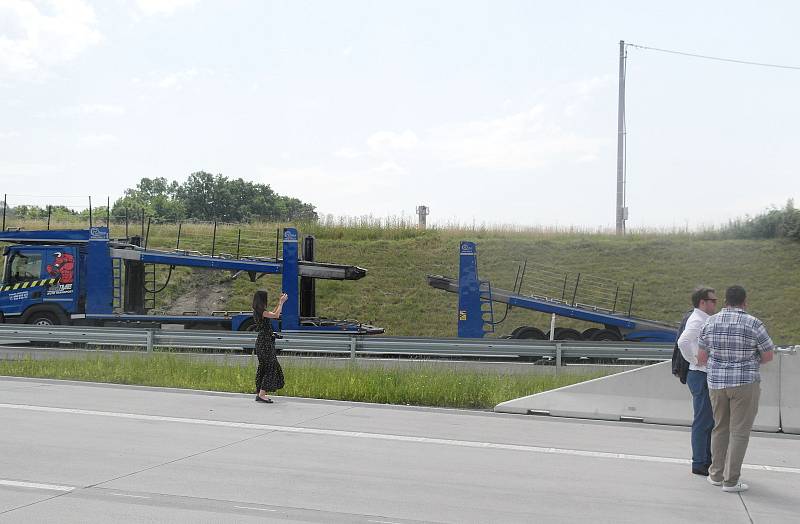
259,304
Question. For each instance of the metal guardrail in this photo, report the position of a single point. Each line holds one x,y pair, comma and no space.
332,343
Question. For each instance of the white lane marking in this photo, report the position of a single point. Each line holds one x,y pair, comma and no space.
383,522
35,485
256,509
129,496
384,436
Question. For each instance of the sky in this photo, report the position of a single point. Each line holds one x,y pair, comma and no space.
488,112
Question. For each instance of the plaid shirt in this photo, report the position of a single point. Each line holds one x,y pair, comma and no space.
734,341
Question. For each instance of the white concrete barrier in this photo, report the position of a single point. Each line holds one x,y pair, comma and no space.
650,394
790,391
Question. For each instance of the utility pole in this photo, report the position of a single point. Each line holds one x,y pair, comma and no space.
622,211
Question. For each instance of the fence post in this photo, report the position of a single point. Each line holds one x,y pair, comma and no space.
558,357
353,349
149,340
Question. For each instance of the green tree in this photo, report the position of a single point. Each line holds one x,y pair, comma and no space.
157,197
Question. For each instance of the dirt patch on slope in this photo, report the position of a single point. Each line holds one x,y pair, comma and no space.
205,291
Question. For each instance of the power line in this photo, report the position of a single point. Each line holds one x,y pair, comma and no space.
719,59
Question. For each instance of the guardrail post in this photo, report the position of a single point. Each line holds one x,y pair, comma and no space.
149,340
558,357
353,349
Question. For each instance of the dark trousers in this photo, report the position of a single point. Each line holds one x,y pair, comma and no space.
703,421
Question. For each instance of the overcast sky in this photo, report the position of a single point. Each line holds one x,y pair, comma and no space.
496,112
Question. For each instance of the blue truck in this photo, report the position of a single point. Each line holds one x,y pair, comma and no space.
476,312
82,276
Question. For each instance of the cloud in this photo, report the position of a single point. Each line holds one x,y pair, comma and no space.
177,80
93,141
389,140
389,168
348,153
86,110
163,7
37,36
521,141
172,81
588,86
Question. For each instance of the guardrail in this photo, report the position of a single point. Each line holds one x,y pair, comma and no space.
336,344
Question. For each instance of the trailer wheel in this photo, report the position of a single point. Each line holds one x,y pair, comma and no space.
516,331
606,335
530,333
42,318
587,334
566,334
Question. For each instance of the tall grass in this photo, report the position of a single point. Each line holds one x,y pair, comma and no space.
420,386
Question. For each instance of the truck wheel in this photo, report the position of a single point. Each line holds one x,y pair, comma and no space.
43,318
530,333
247,325
606,334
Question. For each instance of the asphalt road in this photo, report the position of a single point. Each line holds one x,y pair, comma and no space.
87,453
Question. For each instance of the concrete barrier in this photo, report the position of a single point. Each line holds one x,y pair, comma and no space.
649,394
790,392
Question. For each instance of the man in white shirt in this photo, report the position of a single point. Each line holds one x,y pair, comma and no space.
704,300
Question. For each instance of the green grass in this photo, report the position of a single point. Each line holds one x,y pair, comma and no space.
665,267
422,385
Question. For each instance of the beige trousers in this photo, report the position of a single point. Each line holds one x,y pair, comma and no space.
734,411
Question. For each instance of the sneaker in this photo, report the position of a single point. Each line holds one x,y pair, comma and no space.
714,482
700,471
741,486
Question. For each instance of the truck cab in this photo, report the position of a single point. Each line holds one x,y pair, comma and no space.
39,284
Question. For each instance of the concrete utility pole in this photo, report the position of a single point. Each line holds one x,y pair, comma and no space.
422,211
622,210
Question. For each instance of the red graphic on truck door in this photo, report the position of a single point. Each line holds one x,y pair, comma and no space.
62,267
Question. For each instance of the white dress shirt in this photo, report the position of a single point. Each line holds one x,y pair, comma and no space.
687,342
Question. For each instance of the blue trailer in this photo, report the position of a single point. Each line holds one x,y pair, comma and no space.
81,276
476,312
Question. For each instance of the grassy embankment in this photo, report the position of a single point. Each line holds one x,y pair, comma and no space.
422,386
394,295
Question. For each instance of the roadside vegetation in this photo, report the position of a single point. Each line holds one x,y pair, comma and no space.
662,266
422,385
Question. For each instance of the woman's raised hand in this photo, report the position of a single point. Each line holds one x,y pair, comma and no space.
284,298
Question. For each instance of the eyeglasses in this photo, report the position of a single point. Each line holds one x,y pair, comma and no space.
714,300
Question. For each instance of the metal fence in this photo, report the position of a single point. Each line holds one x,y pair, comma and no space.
333,344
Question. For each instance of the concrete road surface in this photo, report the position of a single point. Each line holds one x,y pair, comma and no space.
91,453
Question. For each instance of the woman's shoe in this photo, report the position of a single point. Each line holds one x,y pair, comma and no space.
265,400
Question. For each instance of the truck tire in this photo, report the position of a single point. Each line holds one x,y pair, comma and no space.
606,335
516,331
566,334
530,333
44,316
247,325
587,334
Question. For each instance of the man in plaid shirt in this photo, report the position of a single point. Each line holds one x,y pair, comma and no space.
734,344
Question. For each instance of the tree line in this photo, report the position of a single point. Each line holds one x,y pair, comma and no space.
773,223
202,197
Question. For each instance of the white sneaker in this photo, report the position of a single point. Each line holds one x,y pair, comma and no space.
741,486
714,482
